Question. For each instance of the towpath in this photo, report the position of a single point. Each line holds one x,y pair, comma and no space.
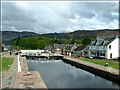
96,66
8,77
24,79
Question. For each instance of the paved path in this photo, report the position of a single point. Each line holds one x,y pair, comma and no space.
14,79
96,66
8,77
33,80
28,79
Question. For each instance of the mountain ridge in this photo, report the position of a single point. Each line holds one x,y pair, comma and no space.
8,36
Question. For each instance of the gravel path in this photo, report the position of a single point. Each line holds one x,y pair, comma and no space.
8,77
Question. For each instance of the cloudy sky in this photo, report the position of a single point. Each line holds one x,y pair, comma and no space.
56,16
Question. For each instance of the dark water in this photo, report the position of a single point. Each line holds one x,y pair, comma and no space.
58,74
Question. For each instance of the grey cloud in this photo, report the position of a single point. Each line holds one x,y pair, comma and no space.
86,13
12,16
80,9
12,12
46,18
103,9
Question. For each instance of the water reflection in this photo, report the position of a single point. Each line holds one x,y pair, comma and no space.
58,74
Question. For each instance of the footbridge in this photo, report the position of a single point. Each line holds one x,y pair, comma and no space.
44,56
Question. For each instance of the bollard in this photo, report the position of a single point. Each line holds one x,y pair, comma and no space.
109,69
19,67
106,64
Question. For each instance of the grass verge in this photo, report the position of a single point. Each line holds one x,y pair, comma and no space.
6,63
102,62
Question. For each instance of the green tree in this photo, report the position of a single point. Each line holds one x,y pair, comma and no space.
17,41
86,40
78,41
72,40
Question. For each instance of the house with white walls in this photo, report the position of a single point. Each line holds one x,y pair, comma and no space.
103,48
112,48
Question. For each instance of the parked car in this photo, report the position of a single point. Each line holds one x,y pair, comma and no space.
89,56
16,52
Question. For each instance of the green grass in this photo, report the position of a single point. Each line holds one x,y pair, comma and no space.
102,62
6,61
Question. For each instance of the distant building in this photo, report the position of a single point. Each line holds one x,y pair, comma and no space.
6,47
65,49
48,48
70,49
78,51
86,51
58,48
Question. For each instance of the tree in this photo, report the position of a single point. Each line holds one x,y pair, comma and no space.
59,41
72,40
86,40
17,41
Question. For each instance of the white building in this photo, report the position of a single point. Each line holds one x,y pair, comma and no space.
112,49
108,49
31,52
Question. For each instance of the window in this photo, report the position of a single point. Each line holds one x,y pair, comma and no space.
109,46
103,54
100,54
104,46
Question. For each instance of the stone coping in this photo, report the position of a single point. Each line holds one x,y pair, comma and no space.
96,66
31,80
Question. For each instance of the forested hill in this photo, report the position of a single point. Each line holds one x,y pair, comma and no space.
80,34
8,36
39,42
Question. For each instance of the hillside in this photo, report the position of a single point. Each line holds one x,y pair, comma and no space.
33,42
8,36
77,34
80,34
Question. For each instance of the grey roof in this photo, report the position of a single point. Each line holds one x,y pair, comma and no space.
86,48
105,42
48,48
79,48
92,42
69,46
101,42
62,46
113,38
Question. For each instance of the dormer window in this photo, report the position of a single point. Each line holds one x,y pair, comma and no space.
104,46
109,46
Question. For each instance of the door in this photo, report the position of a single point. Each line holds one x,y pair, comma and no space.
97,54
110,55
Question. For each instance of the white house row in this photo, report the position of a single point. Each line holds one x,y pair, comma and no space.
106,49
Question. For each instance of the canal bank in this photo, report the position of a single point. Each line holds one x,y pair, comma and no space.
102,71
8,77
28,79
60,75
35,78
